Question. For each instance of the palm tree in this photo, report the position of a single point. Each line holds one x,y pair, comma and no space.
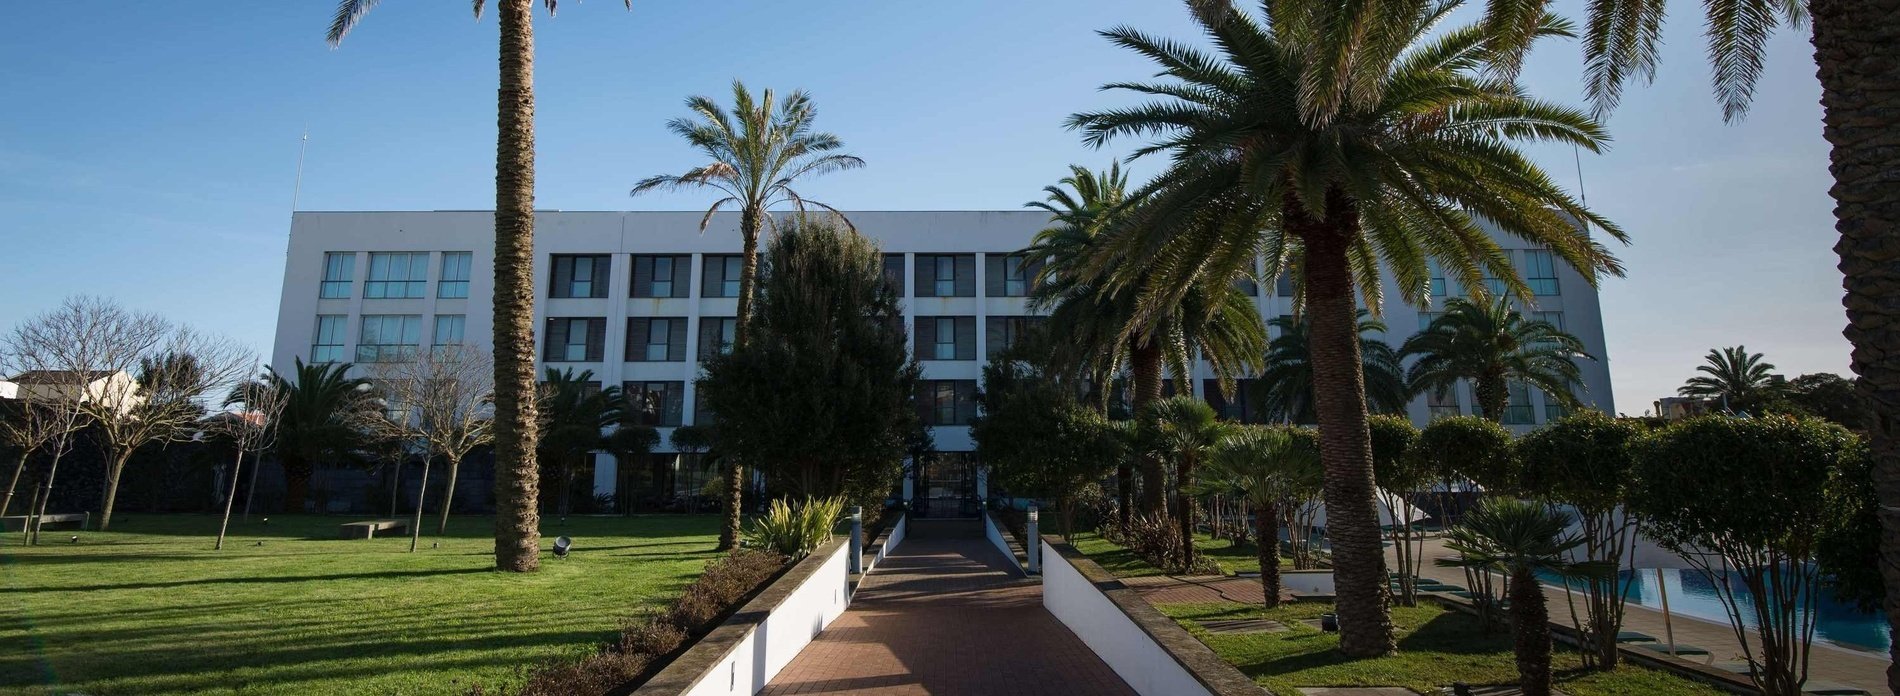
1183,430
1284,391
1521,540
757,153
628,442
574,411
1099,325
1270,467
517,478
1739,378
1269,160
1492,345
325,412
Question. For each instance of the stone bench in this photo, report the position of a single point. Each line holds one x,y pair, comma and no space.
367,529
70,520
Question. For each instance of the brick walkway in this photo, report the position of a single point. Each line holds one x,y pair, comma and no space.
946,617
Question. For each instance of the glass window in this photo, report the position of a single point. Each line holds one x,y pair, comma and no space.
947,402
389,338
454,282
1555,319
716,335
655,404
1425,319
946,276
663,276
449,329
580,275
894,272
1494,285
656,339
734,272
339,272
1442,403
660,276
1553,409
1006,332
1438,277
946,346
575,339
328,346
574,344
1517,408
1283,283
659,335
1540,272
396,275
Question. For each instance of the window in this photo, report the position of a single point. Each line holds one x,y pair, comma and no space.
946,401
894,273
1441,403
1553,409
1517,407
1555,319
1008,275
1234,407
1540,272
656,339
1283,283
1493,285
389,338
449,329
1425,319
722,275
716,335
1247,286
661,276
1438,277
575,339
396,275
946,338
946,275
328,347
454,281
1005,332
339,273
655,404
580,275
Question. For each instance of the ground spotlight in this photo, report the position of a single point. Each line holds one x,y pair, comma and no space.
561,546
75,538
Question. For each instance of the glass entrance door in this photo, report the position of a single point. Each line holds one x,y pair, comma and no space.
949,486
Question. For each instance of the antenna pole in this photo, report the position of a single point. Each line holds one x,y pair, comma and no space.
296,190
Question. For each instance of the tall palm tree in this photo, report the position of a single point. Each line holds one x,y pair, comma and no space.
757,152
1284,391
517,476
1522,540
1268,161
1492,345
324,415
573,414
630,441
1270,467
1182,430
1739,378
1100,327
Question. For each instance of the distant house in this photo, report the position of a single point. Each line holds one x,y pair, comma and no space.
116,389
1675,408
9,390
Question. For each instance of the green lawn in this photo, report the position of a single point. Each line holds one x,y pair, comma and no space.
150,609
1436,647
1232,559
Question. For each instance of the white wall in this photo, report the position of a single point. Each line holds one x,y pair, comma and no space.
995,535
1114,637
1307,581
772,643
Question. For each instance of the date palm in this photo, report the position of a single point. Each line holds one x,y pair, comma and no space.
324,415
1272,468
1284,391
1491,345
1734,375
757,152
1266,164
517,476
574,412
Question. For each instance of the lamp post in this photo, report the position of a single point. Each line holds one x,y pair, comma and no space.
857,539
1034,541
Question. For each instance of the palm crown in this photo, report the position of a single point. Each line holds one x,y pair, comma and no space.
1284,390
1732,373
1492,344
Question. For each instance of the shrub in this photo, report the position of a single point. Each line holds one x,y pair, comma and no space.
796,530
1156,539
1469,447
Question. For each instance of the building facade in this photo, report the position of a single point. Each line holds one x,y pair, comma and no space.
639,298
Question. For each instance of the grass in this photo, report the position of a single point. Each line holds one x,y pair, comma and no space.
1437,646
149,608
1120,561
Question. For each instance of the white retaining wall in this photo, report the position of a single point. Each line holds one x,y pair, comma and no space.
1316,582
1092,617
995,535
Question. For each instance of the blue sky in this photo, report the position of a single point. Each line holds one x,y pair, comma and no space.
147,151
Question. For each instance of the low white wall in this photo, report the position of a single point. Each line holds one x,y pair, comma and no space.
772,643
1318,582
995,535
1114,637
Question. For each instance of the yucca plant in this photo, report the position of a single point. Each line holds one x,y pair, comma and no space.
795,531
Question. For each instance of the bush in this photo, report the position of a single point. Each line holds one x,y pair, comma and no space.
796,531
645,642
1156,539
1469,447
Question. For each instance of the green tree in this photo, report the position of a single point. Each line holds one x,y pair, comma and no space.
1182,430
517,476
1493,345
1745,502
1583,461
1398,174
1284,390
1402,479
1522,540
1101,327
1273,468
821,400
756,152
1742,380
1852,536
1039,440
1832,397
574,410
324,418
1473,449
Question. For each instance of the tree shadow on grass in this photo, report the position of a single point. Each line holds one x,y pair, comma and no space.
265,580
1456,633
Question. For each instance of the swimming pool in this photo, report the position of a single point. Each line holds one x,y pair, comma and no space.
1692,594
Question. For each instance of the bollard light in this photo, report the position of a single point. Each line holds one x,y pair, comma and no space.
1034,541
855,563
561,546
1034,514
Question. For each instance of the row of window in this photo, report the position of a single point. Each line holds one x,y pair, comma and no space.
384,337
1539,268
394,275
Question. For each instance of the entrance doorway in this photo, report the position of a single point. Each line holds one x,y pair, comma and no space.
948,486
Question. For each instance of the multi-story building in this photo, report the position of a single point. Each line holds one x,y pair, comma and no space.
640,298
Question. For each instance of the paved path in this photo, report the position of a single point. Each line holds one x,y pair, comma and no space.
946,617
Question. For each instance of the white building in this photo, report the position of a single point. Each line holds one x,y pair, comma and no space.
638,297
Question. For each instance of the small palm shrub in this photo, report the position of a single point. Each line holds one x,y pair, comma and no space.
1156,539
795,531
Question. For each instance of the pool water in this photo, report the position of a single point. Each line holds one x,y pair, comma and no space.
1692,594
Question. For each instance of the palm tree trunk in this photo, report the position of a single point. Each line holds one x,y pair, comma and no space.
14,484
1184,504
751,222
114,472
1530,633
1857,49
448,496
1339,396
1492,395
1145,370
517,478
1267,528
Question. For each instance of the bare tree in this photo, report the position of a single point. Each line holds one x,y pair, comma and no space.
28,427
446,399
252,428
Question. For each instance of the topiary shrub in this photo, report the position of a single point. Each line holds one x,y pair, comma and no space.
1469,447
